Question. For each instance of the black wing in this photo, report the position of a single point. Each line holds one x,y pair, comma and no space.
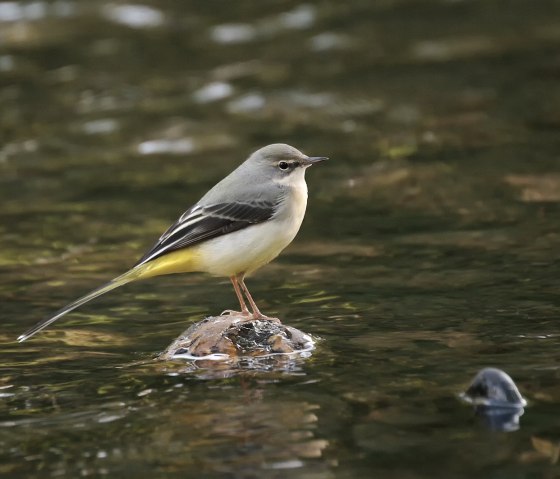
202,223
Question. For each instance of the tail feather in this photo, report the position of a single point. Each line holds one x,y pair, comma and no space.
114,283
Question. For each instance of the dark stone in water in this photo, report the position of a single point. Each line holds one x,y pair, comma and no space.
496,399
237,336
493,387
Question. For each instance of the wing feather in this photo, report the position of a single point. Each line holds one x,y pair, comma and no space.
201,223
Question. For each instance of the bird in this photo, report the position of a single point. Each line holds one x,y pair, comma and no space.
238,226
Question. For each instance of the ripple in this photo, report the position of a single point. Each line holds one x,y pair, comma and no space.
327,41
33,11
134,16
300,18
247,103
453,48
233,33
101,126
213,91
176,147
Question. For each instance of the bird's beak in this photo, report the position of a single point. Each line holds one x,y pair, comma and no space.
311,160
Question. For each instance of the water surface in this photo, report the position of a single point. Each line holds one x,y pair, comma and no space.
429,251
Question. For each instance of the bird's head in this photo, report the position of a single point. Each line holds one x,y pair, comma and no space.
282,163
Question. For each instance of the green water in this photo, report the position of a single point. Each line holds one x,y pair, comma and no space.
429,249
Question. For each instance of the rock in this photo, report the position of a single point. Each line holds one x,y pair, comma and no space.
236,336
496,400
494,388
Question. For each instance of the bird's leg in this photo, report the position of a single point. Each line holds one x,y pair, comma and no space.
244,311
256,312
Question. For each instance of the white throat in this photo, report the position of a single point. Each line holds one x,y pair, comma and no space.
296,179
295,202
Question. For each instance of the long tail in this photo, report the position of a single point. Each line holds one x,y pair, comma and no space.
181,261
127,277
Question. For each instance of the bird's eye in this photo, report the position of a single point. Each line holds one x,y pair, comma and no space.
283,165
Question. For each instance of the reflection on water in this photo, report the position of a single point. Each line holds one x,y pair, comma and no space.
429,249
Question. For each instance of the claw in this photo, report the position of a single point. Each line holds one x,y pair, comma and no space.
262,317
231,312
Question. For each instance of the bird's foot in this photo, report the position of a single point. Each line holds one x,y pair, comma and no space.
231,312
261,317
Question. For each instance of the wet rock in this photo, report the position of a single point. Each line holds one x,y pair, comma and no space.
236,336
496,399
493,387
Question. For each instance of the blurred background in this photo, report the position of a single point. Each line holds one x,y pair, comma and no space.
429,249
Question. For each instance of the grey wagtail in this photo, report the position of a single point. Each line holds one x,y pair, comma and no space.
241,224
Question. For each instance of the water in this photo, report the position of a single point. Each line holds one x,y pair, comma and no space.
429,251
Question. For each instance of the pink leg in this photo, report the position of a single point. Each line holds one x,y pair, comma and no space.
244,310
256,312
